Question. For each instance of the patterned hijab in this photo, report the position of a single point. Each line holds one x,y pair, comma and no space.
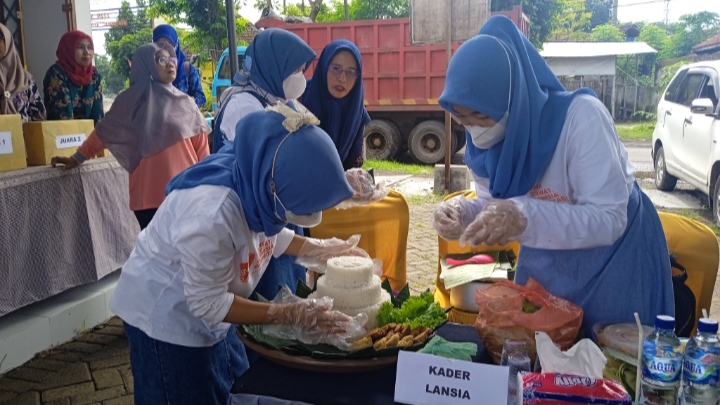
80,75
150,115
13,78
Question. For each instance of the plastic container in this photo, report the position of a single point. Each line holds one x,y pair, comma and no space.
620,338
515,356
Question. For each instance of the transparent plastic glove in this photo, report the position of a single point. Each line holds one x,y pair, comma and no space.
447,220
315,253
364,189
497,224
312,321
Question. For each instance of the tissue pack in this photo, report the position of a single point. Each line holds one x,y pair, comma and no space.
568,389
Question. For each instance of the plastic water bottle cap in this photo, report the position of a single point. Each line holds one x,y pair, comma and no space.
665,322
707,325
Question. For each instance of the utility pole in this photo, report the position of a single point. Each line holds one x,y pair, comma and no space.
667,13
347,12
614,11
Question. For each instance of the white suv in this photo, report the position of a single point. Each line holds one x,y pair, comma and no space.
687,131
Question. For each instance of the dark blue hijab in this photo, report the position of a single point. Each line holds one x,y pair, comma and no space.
169,32
500,71
245,166
340,118
273,55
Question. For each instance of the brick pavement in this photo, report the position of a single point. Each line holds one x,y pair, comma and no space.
94,369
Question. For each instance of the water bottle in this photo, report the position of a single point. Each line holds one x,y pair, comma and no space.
661,364
700,366
515,356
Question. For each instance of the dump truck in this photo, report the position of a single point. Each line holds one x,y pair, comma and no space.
402,83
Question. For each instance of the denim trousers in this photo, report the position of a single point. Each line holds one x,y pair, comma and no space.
170,374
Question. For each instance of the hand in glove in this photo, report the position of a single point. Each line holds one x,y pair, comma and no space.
315,253
311,315
448,217
497,224
364,191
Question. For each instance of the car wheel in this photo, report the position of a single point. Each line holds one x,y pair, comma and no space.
663,180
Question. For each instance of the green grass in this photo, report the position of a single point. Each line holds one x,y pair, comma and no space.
636,131
431,198
395,167
702,216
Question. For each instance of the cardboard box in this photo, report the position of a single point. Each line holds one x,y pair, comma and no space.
46,139
12,144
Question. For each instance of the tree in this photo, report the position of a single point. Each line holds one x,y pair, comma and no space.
379,9
601,11
113,83
540,12
655,36
207,17
691,30
572,22
316,8
122,40
607,33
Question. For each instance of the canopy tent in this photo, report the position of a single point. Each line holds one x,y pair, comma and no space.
591,58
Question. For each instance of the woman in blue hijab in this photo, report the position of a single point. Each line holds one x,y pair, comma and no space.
551,174
272,71
188,77
188,278
335,95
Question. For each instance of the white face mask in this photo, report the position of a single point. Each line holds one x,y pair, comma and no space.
294,86
487,137
306,221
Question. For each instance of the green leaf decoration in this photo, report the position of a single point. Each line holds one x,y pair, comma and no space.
303,290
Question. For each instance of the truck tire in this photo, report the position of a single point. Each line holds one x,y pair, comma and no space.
461,141
663,180
382,140
426,142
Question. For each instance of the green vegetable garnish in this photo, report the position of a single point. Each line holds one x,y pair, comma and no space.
416,311
529,307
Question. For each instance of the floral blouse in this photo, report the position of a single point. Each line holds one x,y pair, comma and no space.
29,104
65,100
192,86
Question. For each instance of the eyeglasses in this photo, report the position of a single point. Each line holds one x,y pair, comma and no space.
337,70
164,60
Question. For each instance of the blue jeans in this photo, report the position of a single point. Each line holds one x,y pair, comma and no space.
169,374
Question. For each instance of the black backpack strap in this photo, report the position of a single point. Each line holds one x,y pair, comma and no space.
259,98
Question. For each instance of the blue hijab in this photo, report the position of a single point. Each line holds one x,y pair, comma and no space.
273,55
500,71
245,166
169,32
340,118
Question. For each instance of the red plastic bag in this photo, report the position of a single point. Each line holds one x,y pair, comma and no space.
501,317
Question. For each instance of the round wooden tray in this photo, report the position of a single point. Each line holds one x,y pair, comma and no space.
307,363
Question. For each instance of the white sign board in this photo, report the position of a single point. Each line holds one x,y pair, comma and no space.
5,143
428,19
69,141
424,379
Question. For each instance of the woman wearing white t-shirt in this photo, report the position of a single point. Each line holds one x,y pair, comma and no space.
187,280
551,174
